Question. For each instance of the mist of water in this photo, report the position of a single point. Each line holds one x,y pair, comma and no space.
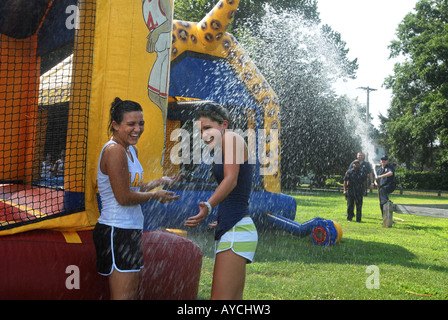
299,57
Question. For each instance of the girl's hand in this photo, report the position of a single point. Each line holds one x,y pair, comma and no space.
164,196
197,219
146,187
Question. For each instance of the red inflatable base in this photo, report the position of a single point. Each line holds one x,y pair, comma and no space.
42,265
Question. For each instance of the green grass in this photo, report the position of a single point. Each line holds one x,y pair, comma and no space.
412,256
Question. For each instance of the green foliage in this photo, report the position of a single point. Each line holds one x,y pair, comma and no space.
334,181
422,180
192,10
416,128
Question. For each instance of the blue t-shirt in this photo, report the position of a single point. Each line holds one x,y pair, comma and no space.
236,205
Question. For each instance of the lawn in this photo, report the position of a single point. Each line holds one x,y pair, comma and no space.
410,259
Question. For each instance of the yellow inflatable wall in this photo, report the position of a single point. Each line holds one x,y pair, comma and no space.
116,46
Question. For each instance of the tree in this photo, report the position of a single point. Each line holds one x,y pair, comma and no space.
416,127
192,10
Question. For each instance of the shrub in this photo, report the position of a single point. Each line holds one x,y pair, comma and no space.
334,181
424,180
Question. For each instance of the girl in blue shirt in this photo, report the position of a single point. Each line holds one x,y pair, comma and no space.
236,236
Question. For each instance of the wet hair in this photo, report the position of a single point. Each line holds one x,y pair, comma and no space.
213,111
120,107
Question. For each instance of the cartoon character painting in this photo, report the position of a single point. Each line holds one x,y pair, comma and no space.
157,15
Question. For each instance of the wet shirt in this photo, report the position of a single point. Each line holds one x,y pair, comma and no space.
364,166
355,180
236,205
112,213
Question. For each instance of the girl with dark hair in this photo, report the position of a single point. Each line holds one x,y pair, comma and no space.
236,236
117,235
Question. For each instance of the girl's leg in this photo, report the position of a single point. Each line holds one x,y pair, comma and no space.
123,285
229,276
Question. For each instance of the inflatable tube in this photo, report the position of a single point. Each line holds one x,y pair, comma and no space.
45,264
323,232
295,228
275,203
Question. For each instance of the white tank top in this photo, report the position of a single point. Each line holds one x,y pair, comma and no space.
112,213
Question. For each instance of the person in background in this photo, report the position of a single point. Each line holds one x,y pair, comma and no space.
59,165
118,234
47,166
385,180
366,167
354,190
236,235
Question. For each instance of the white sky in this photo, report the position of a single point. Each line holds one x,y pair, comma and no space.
367,27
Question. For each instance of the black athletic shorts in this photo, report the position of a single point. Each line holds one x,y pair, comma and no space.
117,248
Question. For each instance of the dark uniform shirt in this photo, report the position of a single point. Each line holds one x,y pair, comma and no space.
355,180
364,166
389,181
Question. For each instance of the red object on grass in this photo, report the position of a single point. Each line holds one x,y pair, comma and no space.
45,264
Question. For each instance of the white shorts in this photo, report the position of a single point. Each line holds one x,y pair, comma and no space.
242,239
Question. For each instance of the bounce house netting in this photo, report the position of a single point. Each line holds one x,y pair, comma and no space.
44,94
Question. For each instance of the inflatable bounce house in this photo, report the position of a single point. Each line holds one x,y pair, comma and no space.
62,62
